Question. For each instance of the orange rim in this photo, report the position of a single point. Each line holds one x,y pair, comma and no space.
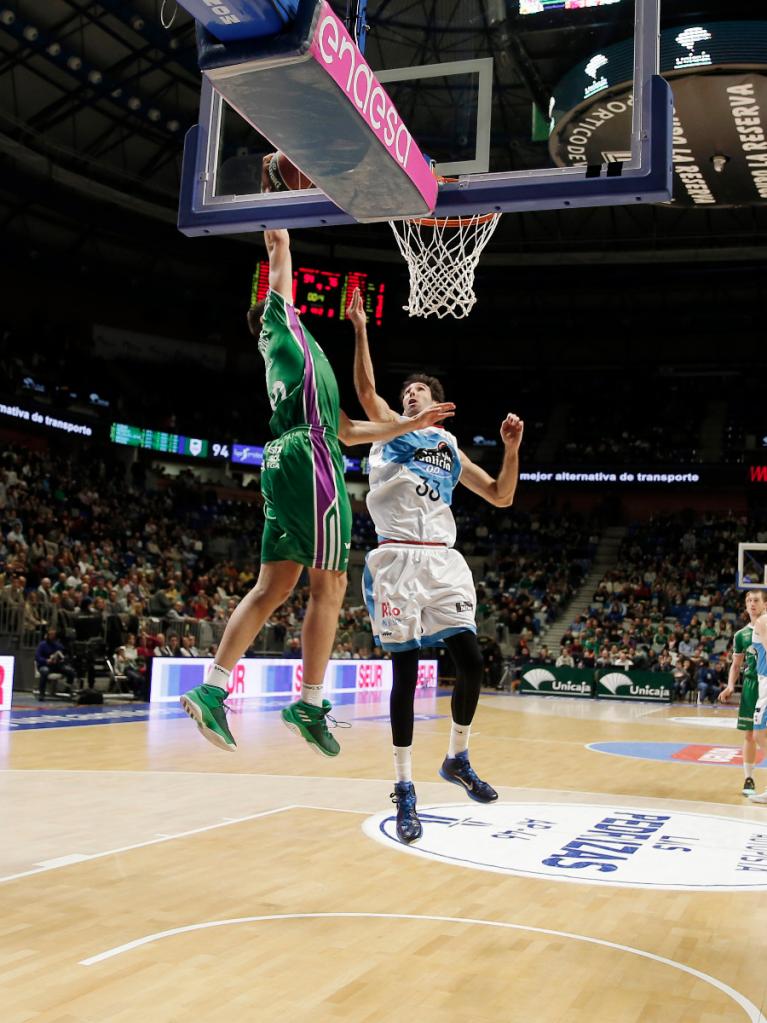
453,222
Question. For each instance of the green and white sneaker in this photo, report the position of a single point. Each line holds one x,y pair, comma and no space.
310,722
205,706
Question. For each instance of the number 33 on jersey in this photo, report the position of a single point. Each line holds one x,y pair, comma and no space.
412,479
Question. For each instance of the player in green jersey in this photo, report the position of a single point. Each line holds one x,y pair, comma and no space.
744,659
308,516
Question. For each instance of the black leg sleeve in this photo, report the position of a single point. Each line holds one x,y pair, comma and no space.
467,657
405,678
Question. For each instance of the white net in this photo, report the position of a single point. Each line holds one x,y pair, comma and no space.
442,256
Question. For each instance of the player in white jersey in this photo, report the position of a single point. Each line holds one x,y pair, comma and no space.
759,646
418,588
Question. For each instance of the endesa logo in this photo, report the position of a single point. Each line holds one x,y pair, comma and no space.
349,70
757,474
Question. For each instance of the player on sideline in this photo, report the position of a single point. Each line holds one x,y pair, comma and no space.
743,652
418,589
306,507
759,644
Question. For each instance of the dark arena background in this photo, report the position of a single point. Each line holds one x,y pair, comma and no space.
621,875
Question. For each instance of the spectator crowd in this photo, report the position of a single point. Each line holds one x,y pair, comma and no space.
155,567
669,605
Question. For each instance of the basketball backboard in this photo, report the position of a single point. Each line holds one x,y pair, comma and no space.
491,91
752,566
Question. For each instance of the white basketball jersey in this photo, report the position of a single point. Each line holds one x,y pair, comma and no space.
412,479
761,656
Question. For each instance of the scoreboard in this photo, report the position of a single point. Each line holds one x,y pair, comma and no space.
166,443
325,294
539,6
195,447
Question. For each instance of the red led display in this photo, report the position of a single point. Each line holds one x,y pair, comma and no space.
325,293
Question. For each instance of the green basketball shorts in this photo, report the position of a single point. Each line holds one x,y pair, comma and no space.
748,697
308,515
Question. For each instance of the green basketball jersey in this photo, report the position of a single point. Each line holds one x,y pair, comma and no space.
307,510
300,382
742,645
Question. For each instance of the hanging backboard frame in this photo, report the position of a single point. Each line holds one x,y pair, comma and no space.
645,178
752,566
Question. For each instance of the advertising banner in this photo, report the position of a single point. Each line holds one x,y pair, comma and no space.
12,414
616,684
557,681
262,677
605,683
6,682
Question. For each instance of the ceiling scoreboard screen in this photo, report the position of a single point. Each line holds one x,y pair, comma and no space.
539,6
325,294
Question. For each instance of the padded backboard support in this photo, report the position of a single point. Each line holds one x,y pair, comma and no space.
241,19
311,93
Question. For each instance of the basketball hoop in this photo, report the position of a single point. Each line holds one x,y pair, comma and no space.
442,255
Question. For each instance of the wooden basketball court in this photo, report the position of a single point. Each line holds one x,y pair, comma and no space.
148,877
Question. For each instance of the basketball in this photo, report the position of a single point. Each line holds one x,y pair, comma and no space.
283,176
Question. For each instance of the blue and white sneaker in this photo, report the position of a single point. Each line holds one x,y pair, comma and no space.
459,771
408,826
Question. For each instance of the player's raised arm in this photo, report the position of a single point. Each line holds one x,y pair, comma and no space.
280,263
364,379
499,491
359,431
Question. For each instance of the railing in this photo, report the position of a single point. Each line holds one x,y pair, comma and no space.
15,636
15,632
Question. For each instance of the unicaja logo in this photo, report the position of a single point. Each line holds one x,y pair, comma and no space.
542,680
592,69
689,39
537,677
647,691
615,679
570,687
619,685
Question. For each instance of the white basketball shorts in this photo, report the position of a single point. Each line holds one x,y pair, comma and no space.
760,711
417,595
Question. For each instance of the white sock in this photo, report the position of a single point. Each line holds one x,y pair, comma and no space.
748,770
218,676
459,739
312,694
403,763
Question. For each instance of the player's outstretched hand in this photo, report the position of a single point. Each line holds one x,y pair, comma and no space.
355,312
512,429
725,694
433,414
